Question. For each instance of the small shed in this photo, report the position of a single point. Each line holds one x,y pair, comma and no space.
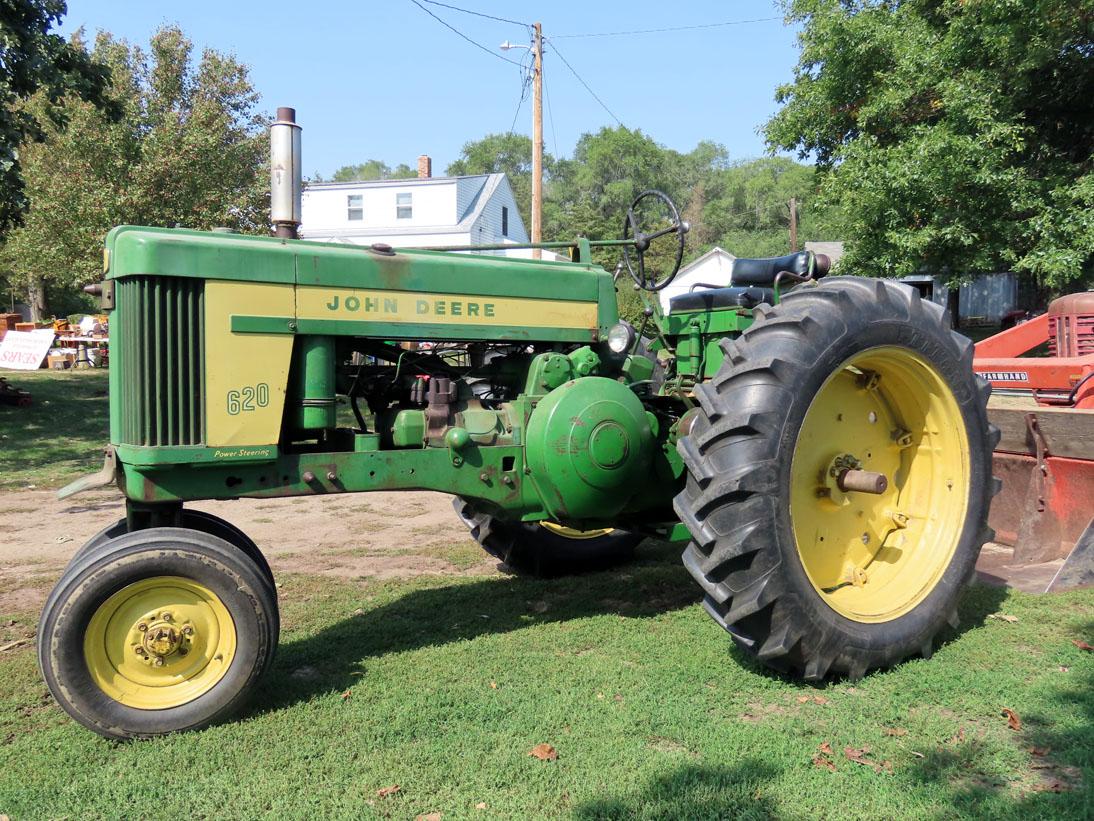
713,268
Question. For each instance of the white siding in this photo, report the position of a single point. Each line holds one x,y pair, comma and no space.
467,192
487,228
445,211
715,268
326,209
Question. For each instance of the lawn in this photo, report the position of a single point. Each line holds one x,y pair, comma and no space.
442,686
61,435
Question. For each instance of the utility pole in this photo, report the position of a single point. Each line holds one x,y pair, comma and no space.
537,138
793,224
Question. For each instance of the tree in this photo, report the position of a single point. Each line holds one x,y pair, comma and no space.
36,62
189,148
955,136
509,154
373,170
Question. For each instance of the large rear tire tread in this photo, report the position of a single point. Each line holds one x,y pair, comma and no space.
738,455
529,549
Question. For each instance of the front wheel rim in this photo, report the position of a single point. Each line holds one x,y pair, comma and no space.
159,643
875,557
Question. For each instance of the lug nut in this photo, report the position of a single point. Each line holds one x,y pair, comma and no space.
166,617
331,476
142,627
188,630
139,651
159,661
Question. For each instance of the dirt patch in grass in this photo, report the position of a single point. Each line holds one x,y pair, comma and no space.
335,535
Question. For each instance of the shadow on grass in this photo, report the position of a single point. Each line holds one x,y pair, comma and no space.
654,584
694,792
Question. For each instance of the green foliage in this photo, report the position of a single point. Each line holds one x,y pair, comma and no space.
956,136
373,170
34,62
189,148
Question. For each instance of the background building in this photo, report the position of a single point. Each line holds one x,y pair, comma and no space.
414,213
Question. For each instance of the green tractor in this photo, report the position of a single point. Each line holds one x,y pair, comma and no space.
820,445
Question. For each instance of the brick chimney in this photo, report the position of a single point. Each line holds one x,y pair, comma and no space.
425,167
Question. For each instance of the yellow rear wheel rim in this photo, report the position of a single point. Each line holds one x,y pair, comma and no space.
573,533
874,558
159,643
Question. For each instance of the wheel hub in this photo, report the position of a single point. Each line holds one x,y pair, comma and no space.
878,474
161,638
159,643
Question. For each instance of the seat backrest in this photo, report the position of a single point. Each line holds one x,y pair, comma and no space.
764,271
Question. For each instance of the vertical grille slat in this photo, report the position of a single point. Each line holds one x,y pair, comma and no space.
161,353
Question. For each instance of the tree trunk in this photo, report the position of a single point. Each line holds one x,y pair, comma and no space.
36,299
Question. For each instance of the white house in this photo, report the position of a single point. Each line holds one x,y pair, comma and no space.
416,213
712,268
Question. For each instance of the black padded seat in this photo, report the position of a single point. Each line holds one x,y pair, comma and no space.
711,298
764,271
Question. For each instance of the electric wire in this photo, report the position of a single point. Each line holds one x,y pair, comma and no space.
455,30
477,13
526,83
671,28
551,117
573,71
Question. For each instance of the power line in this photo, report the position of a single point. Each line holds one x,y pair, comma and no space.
477,13
526,82
476,44
551,116
671,28
573,71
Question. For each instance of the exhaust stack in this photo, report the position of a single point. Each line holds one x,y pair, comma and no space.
285,177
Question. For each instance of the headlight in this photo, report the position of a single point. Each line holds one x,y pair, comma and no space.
621,337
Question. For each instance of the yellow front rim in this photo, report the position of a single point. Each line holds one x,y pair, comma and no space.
159,643
873,558
573,533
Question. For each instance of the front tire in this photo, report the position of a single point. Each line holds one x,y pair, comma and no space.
160,630
807,577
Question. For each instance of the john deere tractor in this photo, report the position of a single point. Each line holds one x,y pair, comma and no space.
820,445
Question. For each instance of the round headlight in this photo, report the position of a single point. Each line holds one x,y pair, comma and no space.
620,337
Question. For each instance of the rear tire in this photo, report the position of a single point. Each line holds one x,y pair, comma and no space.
207,620
543,549
760,496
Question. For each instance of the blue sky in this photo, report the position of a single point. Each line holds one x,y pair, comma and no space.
383,79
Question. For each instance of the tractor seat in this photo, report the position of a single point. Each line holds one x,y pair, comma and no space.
764,271
732,297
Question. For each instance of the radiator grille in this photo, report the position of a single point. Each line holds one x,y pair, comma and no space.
161,351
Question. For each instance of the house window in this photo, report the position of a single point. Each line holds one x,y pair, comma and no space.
404,207
504,221
355,207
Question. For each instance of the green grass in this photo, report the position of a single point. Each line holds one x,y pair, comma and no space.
61,435
653,714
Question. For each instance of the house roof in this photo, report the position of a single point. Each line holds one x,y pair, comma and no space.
713,252
322,186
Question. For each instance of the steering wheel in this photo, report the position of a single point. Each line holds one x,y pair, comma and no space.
640,240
